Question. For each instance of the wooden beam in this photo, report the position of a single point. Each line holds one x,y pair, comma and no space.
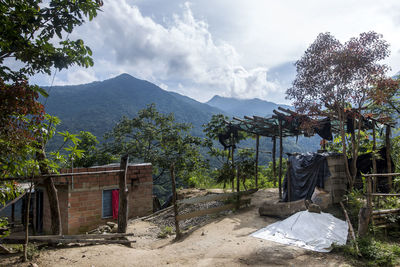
385,195
280,159
123,196
214,197
257,150
388,157
198,213
274,158
55,175
19,240
13,201
174,202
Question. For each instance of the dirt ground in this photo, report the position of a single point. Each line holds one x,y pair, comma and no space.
223,241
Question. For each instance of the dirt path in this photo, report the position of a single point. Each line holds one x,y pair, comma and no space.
223,242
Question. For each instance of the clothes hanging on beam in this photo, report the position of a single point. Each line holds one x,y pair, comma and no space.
232,131
324,129
306,171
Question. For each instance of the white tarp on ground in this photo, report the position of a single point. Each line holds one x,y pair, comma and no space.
309,230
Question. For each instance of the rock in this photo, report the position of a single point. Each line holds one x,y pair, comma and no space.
33,265
112,224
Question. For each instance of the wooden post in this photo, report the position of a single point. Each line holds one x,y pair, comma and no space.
374,170
280,159
13,214
27,213
237,179
288,181
177,230
123,196
274,158
369,192
364,215
388,157
257,148
233,164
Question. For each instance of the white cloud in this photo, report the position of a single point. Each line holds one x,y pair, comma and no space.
181,51
222,47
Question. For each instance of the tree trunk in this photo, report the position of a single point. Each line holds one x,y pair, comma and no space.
51,193
28,202
344,147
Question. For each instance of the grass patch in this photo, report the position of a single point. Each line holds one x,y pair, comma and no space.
165,232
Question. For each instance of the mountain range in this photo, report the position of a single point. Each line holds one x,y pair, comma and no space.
98,106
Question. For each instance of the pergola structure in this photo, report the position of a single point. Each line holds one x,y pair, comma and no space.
287,123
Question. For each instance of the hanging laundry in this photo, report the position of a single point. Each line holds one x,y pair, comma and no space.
115,203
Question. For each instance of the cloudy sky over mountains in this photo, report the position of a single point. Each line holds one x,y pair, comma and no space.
235,48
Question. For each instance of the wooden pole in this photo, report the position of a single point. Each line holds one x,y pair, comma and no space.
174,202
274,159
388,157
257,150
374,170
288,182
28,202
233,164
13,213
123,196
352,234
280,159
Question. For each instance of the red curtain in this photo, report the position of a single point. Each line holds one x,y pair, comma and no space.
115,203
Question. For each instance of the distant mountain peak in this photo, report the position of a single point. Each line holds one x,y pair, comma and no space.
242,107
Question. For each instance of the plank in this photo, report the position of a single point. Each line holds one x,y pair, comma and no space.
56,175
213,197
13,201
377,212
89,236
65,241
198,213
385,195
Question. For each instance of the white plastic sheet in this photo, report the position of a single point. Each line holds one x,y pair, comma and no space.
313,231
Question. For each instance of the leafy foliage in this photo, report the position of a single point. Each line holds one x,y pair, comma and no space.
156,138
29,29
331,74
216,126
338,77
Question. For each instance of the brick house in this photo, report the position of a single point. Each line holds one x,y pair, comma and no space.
86,200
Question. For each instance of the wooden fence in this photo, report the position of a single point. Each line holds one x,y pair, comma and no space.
379,216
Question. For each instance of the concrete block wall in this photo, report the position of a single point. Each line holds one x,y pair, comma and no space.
82,201
336,184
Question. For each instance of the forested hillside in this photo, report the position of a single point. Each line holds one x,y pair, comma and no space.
96,107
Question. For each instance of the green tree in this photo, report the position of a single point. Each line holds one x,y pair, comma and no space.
29,31
91,153
217,127
157,138
338,77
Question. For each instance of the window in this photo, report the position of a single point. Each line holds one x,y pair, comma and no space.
110,203
107,204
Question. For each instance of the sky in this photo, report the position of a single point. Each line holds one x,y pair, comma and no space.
232,48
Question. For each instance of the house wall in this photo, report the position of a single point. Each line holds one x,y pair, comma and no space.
336,184
82,202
